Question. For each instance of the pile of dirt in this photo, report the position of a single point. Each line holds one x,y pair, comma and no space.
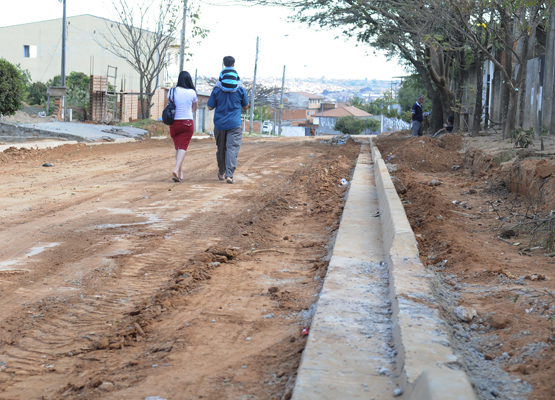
22,117
402,133
424,153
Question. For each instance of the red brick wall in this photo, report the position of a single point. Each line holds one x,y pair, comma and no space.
97,97
256,127
292,114
159,101
128,107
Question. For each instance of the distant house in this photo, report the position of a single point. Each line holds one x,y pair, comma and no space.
326,121
299,107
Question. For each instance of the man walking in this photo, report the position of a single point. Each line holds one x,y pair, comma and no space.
416,116
227,126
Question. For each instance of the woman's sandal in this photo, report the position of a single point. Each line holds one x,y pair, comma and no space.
220,177
229,180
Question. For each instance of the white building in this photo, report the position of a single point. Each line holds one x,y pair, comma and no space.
37,47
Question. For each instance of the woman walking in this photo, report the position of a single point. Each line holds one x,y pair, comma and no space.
182,129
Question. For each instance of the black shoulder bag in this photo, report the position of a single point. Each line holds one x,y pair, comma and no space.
168,114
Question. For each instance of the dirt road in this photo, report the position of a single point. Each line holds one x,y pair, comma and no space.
118,283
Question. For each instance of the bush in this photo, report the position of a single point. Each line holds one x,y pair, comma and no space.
77,84
354,126
37,93
12,88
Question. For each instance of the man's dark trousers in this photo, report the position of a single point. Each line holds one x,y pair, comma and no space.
229,143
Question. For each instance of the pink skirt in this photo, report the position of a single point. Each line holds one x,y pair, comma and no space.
182,131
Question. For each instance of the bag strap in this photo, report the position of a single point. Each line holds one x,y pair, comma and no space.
172,94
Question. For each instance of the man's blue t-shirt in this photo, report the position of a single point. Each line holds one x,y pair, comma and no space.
227,105
417,112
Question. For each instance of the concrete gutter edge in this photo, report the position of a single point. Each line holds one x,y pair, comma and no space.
431,370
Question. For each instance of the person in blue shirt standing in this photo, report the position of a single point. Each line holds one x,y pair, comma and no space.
227,125
417,116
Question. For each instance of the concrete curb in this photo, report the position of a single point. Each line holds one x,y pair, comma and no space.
376,294
431,370
347,344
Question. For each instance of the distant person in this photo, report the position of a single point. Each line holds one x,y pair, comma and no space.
182,129
228,103
448,127
229,80
417,116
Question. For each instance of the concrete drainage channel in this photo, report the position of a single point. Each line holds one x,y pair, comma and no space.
376,333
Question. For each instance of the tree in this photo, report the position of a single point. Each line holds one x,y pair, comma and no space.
143,35
12,88
408,30
263,95
78,85
410,88
357,102
495,28
354,126
37,93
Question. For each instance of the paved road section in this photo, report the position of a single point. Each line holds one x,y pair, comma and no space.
72,131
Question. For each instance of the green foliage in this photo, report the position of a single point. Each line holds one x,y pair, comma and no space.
357,102
354,126
411,87
265,113
522,138
406,116
12,88
26,80
380,106
36,93
77,84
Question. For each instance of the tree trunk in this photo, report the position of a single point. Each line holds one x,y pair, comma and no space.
438,72
447,104
507,92
149,95
476,123
141,96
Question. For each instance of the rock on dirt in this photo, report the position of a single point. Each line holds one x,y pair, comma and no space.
499,321
465,313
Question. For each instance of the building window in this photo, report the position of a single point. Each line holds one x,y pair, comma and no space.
29,51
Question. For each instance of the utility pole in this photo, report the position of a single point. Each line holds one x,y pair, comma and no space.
253,87
182,47
281,101
63,74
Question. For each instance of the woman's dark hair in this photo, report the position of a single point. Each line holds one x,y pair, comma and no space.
450,119
185,81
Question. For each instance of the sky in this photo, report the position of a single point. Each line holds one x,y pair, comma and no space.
305,52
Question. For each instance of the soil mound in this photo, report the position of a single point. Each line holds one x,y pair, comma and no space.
401,133
423,153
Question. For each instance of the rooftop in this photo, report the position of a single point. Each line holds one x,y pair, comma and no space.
346,111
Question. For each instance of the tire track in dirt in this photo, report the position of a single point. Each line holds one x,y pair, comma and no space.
61,331
54,342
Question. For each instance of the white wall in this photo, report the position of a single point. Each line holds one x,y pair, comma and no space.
83,53
292,131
